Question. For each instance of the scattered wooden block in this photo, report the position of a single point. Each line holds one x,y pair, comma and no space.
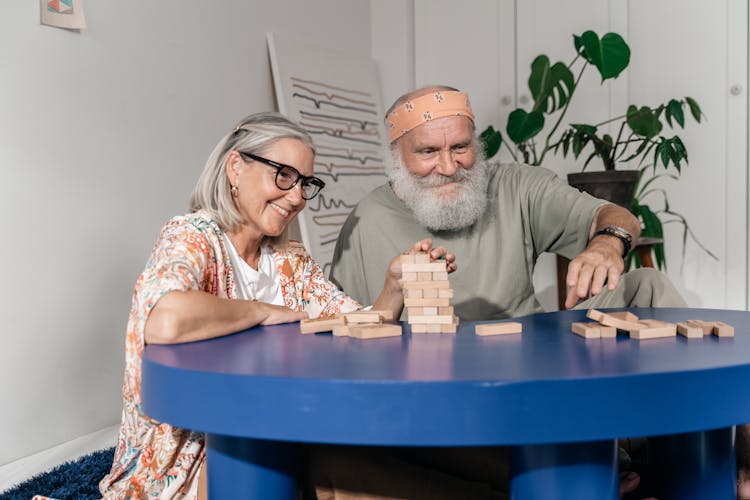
689,330
317,325
501,328
624,315
375,331
386,314
363,317
653,329
587,330
340,331
722,329
609,320
706,326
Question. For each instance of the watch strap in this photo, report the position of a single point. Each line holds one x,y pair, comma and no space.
619,233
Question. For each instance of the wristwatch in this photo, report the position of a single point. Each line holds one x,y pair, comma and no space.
620,233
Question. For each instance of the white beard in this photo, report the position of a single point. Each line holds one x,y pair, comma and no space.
454,209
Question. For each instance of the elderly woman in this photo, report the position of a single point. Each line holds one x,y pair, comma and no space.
225,267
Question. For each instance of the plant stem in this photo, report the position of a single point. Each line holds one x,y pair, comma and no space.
559,119
617,143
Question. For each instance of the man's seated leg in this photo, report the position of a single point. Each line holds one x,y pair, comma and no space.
644,287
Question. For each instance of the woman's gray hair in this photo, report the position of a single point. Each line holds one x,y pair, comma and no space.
253,134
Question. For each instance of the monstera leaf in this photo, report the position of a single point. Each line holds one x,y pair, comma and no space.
610,55
644,121
491,141
522,126
550,86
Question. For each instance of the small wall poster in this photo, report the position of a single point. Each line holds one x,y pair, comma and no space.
62,13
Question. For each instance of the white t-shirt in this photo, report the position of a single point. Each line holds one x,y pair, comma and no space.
263,284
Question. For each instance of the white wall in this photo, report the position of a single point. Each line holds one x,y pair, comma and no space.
102,135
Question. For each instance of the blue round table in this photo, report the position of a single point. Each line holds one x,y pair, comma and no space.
559,400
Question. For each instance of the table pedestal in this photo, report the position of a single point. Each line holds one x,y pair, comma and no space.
584,471
696,465
251,468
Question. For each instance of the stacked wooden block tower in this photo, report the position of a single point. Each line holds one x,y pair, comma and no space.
427,294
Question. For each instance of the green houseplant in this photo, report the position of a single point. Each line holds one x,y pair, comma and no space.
639,153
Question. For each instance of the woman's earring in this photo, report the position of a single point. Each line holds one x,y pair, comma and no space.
233,190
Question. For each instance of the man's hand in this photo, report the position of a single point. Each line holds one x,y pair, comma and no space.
601,261
275,315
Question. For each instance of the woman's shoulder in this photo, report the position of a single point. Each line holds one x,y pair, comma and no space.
192,222
290,248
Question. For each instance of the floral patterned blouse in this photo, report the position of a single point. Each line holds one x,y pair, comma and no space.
154,459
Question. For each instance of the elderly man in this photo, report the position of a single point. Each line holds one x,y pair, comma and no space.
496,219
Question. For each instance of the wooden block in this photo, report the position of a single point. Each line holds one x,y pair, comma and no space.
624,315
363,317
422,258
431,320
426,328
434,267
385,314
424,276
446,293
608,320
409,277
427,302
413,293
439,276
608,332
502,328
449,328
445,311
430,311
587,330
427,284
340,331
706,326
375,331
407,258
317,325
722,329
653,329
415,311
430,293
690,331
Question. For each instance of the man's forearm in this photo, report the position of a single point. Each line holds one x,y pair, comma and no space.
615,215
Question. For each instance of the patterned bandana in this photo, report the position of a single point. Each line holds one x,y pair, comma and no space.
422,109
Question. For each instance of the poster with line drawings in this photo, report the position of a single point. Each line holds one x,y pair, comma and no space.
335,97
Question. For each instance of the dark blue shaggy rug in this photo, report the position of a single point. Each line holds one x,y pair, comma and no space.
74,480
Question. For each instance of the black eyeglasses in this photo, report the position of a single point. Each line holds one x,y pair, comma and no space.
287,177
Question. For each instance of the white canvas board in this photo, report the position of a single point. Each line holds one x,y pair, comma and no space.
335,96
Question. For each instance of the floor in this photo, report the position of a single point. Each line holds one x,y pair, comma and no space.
22,469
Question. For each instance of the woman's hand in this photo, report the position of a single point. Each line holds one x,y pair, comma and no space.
279,314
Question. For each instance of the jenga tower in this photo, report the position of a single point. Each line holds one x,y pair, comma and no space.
427,294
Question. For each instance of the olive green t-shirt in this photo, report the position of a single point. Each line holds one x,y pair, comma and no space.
530,211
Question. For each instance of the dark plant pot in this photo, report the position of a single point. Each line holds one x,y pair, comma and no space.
617,186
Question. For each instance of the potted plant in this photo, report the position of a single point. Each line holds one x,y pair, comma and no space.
632,160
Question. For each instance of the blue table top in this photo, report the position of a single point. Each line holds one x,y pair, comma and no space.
544,386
